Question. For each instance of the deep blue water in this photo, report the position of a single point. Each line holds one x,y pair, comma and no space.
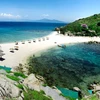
17,31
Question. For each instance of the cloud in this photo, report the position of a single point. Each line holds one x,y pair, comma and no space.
5,15
45,15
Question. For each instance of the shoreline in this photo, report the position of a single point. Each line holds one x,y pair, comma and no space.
28,49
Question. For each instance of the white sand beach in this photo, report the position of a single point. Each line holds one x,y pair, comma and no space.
28,49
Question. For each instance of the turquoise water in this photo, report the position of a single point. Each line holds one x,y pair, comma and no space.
17,31
90,92
77,65
5,68
69,93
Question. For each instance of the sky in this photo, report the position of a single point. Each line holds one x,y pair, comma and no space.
64,10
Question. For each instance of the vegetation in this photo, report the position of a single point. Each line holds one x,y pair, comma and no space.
8,71
35,95
19,74
20,86
10,99
93,97
76,28
42,92
44,85
13,77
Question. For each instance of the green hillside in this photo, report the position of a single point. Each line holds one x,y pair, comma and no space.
89,26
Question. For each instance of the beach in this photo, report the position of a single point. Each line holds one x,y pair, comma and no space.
13,59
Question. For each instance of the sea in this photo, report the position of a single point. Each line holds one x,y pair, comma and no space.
18,31
75,65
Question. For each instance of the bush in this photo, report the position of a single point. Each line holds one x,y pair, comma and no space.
44,85
42,92
35,95
93,97
13,77
8,71
19,74
20,86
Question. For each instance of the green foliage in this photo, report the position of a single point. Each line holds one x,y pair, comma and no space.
93,97
44,85
93,23
20,86
13,77
8,71
19,74
35,95
42,92
10,99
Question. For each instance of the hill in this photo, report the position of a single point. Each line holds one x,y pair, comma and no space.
49,21
89,26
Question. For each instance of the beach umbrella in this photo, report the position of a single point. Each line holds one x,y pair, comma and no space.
16,43
23,42
11,49
2,54
16,47
1,50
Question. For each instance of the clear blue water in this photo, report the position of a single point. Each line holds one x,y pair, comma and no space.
69,93
17,31
90,92
78,62
77,65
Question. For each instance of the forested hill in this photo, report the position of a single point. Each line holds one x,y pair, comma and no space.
89,26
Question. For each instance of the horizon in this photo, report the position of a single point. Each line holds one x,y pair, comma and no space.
36,21
62,10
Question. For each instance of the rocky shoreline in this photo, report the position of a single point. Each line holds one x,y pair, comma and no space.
14,85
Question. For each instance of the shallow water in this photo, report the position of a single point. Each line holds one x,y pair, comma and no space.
72,66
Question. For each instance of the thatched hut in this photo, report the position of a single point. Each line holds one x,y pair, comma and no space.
1,53
57,29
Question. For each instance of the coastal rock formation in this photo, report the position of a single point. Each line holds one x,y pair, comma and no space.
7,88
76,89
54,93
15,86
32,82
